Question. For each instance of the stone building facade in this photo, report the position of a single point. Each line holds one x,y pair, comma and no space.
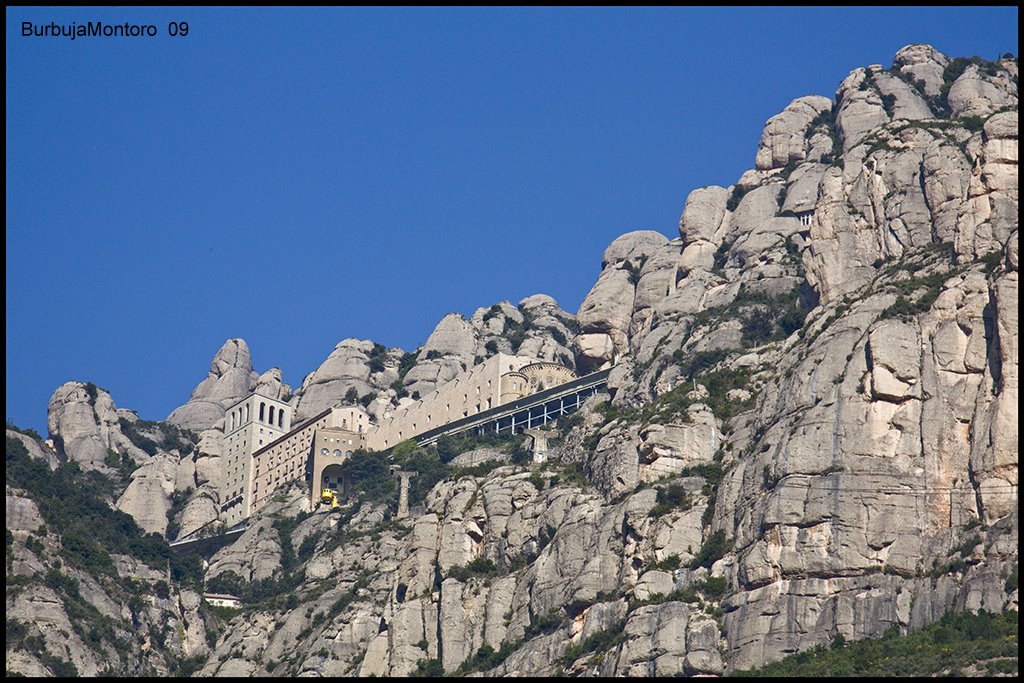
249,425
329,438
263,452
499,380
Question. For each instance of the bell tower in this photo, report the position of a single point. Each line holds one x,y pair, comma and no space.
249,425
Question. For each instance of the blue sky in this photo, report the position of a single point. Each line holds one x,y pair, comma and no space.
298,177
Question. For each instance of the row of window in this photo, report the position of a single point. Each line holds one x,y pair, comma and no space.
273,416
337,453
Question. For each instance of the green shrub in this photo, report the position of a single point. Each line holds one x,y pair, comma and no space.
713,550
450,445
889,104
27,431
377,356
1002,666
700,361
429,470
737,195
758,327
308,546
670,563
477,567
35,545
601,641
544,624
955,642
186,666
403,449
369,472
405,364
722,253
227,582
967,546
89,528
713,586
486,658
170,437
399,389
673,497
430,668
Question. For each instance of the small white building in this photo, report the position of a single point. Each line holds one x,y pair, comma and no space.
222,600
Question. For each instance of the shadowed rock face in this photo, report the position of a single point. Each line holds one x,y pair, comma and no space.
811,424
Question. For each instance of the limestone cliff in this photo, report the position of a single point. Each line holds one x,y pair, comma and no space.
810,432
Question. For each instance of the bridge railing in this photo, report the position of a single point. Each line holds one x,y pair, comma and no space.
527,402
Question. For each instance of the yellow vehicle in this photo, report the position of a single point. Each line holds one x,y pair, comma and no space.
327,496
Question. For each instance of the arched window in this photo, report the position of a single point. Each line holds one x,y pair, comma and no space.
337,453
348,454
246,414
263,410
344,424
280,418
271,415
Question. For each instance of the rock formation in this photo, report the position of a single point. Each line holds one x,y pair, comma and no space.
810,432
231,378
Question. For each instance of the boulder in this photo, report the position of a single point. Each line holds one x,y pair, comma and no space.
84,421
148,497
859,108
981,92
230,379
703,214
785,138
922,63
347,368
633,245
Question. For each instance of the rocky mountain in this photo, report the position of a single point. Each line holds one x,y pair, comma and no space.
380,378
810,436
